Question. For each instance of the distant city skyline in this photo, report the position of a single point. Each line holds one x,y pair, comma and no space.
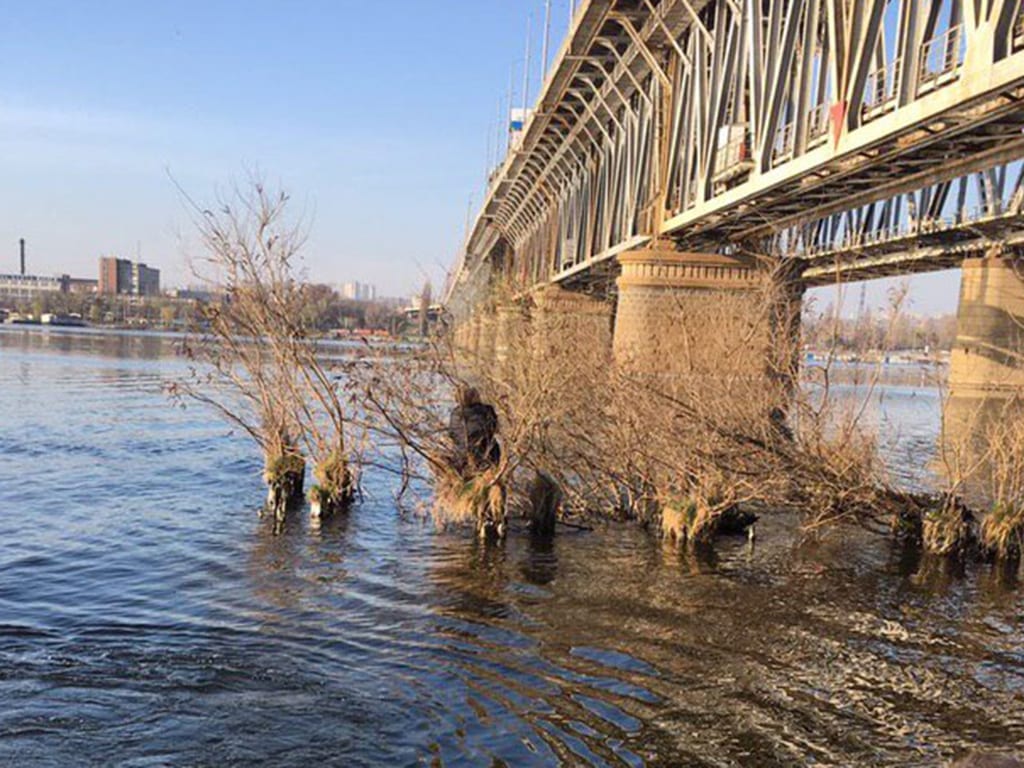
96,108
357,291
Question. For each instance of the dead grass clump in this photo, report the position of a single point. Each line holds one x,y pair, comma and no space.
478,500
285,476
1002,530
336,485
948,528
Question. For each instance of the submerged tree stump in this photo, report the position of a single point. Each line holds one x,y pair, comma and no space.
491,515
335,488
545,500
285,478
324,502
689,521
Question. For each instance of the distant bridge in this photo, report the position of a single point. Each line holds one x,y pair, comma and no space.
803,129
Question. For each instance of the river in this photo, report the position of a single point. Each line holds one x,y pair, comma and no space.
149,617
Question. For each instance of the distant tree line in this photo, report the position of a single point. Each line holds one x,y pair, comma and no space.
323,309
876,330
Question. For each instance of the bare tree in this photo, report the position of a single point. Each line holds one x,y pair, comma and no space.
254,362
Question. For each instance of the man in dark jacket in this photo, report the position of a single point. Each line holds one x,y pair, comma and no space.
473,428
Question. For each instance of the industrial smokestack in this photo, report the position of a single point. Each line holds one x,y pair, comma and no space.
21,244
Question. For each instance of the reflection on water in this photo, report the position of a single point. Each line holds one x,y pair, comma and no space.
149,617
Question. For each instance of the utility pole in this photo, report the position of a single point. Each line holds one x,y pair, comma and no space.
487,162
547,37
526,66
502,121
508,115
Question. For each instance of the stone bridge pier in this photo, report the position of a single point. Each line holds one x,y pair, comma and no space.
572,324
987,362
686,316
986,376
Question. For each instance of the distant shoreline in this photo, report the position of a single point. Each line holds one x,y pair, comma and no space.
157,333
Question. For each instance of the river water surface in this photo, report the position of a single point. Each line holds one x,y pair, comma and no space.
148,617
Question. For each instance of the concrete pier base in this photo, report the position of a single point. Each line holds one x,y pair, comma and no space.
511,340
686,314
571,328
987,361
986,377
464,337
485,333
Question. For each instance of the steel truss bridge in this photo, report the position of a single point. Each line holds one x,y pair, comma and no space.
861,137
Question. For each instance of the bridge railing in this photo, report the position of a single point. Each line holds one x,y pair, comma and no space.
733,157
785,137
855,238
941,57
817,123
882,88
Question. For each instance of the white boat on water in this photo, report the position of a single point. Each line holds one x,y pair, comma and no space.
73,320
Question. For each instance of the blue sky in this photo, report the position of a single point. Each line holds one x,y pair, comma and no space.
374,115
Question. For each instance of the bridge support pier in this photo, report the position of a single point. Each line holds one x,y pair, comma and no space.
986,376
465,337
571,328
682,314
987,361
571,336
511,329
485,331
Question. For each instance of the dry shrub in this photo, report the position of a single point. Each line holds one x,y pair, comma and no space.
284,476
709,421
948,527
478,500
982,457
711,424
699,515
255,362
336,485
405,397
1002,528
